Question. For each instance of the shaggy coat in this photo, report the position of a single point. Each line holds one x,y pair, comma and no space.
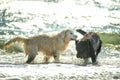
48,45
88,46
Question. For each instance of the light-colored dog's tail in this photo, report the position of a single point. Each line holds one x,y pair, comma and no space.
17,39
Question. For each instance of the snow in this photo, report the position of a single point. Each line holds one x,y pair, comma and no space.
53,69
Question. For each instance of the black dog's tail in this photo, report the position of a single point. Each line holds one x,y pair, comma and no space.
81,31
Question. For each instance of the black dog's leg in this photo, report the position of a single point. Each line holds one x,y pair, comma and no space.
99,48
98,51
94,62
85,61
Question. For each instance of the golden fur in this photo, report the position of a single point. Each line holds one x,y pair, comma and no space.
48,45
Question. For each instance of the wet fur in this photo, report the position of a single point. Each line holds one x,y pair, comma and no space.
88,46
48,45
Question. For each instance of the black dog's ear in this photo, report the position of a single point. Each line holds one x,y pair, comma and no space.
81,31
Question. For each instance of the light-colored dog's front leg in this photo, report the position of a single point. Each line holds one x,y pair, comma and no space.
56,56
46,59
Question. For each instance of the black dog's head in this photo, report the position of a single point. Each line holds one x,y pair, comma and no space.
82,48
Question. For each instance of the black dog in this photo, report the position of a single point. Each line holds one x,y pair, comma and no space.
88,46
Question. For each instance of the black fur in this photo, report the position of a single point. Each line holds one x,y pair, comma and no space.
88,46
81,31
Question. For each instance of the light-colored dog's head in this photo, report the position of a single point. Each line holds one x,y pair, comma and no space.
70,34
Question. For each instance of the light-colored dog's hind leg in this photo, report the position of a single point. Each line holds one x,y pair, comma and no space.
31,57
46,59
31,54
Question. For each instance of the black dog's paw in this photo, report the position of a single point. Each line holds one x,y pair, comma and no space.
95,63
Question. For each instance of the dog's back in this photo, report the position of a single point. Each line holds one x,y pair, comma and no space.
94,40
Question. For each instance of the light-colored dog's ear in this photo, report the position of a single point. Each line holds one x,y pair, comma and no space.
64,34
67,32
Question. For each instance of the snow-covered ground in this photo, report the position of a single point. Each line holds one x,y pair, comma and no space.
70,68
59,71
26,18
